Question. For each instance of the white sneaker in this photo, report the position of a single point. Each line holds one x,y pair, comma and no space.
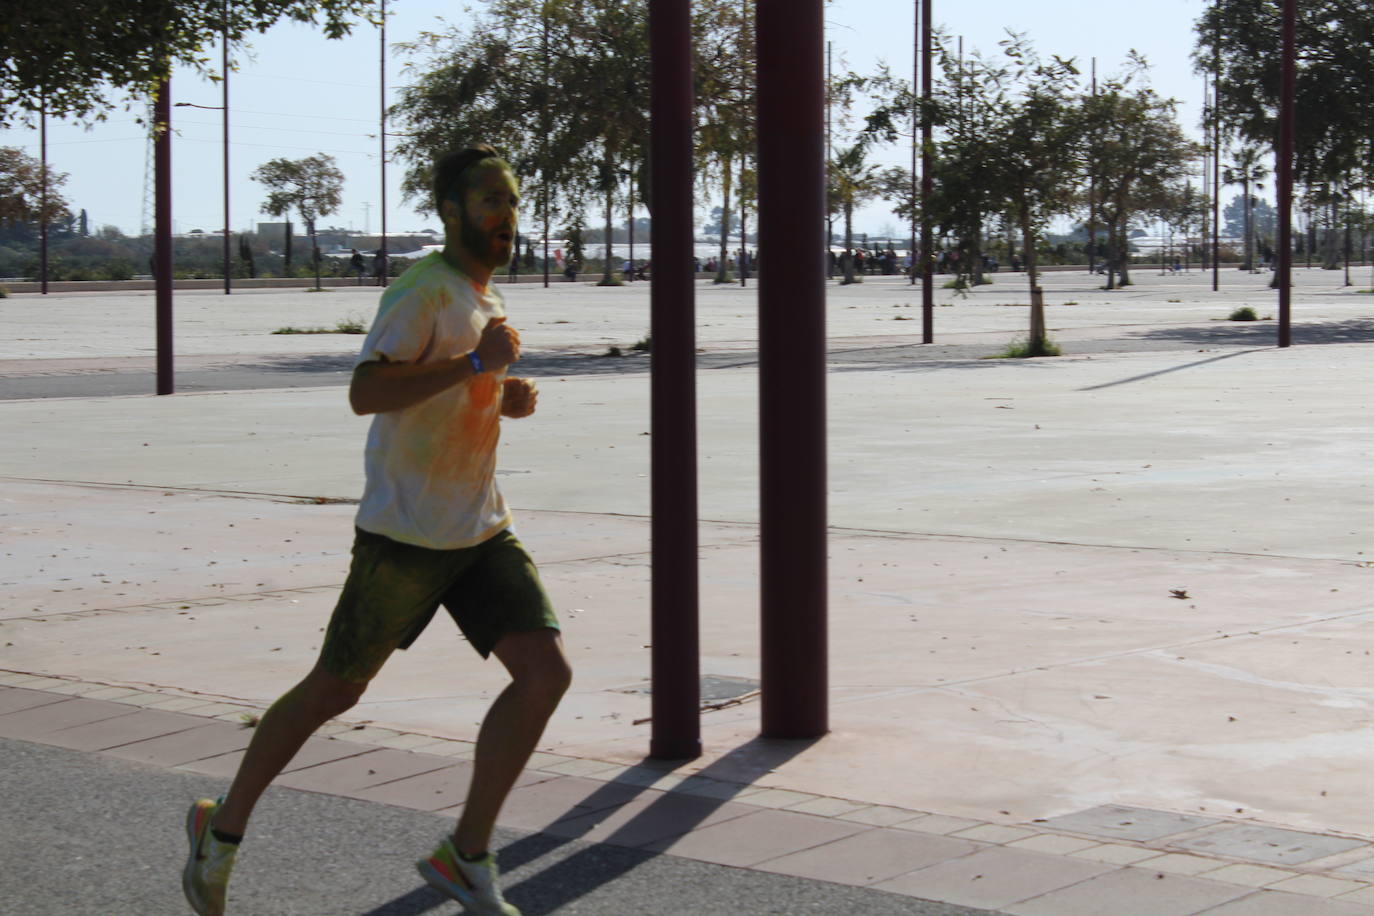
206,875
473,884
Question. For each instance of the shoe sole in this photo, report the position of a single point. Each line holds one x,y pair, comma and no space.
443,885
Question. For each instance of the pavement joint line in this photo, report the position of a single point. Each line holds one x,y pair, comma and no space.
1160,857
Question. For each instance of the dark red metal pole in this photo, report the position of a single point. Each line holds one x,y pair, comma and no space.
162,232
1287,125
927,186
674,656
43,196
228,263
791,223
381,137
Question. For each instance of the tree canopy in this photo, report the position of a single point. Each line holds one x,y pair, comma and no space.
66,55
21,190
1239,41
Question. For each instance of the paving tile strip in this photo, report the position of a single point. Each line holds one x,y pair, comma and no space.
1063,865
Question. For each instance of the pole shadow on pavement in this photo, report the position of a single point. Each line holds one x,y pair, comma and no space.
588,869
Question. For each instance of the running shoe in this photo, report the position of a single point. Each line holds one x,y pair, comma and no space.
206,876
473,884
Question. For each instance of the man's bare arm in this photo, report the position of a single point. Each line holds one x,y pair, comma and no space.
378,387
381,386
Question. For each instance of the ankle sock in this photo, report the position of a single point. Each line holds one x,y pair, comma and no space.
230,838
472,857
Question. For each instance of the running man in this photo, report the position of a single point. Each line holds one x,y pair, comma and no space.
432,529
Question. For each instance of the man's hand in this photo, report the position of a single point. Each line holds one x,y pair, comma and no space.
499,345
518,397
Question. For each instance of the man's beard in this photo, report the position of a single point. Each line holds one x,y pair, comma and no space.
479,243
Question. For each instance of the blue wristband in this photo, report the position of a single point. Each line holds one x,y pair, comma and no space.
476,363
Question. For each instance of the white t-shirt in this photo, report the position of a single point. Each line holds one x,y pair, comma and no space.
431,467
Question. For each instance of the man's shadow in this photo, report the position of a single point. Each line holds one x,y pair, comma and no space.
592,867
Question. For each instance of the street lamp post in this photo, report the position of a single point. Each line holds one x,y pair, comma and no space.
225,109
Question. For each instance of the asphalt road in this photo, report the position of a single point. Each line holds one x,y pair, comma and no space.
85,833
316,370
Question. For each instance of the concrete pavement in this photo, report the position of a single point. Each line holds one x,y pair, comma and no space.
1094,619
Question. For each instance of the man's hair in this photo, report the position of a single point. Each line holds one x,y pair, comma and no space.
454,171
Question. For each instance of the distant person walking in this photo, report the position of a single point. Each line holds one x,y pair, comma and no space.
379,268
357,266
432,529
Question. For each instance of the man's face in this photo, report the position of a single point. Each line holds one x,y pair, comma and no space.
487,219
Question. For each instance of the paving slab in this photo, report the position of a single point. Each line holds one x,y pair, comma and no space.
1269,844
1277,903
994,878
870,857
1131,892
756,837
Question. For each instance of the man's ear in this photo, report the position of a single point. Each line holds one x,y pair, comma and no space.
448,210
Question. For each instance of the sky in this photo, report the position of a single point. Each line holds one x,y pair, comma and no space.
296,93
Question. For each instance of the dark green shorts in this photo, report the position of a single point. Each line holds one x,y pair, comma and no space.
394,589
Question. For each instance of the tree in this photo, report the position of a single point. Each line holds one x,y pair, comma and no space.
1247,170
63,55
312,186
1137,158
853,181
1239,39
726,124
971,108
21,193
1034,165
561,88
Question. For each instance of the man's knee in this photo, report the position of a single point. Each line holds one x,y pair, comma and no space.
329,694
536,663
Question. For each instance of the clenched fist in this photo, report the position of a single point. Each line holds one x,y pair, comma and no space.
499,345
518,397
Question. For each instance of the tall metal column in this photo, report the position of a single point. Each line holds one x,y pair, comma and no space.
162,232
915,136
674,655
791,170
43,196
228,263
1216,162
1287,126
927,187
385,261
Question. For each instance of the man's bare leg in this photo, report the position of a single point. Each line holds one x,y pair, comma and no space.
278,736
540,675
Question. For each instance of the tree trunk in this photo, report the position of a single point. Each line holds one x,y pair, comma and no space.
1036,340
1331,256
722,274
1123,254
848,243
606,279
975,255
287,250
1249,264
630,206
314,252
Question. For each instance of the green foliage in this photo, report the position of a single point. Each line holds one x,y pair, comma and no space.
1244,313
21,189
1026,349
1138,161
67,54
311,187
1335,78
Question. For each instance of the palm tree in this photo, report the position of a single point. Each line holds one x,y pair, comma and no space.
853,181
1246,169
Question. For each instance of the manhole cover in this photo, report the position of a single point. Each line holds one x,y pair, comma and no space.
714,688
